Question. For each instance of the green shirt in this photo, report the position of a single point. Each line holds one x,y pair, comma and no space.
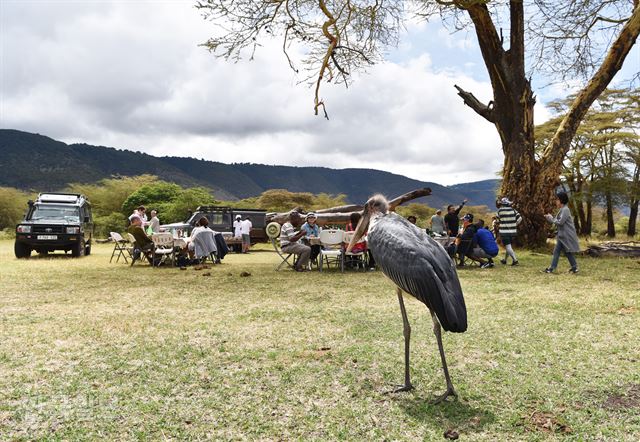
142,240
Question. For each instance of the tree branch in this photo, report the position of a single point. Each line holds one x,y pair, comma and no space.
485,111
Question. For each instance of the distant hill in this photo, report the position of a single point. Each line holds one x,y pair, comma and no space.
36,162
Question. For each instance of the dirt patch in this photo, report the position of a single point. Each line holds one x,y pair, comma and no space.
631,399
624,310
546,422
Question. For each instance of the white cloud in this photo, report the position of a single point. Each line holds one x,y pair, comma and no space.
130,75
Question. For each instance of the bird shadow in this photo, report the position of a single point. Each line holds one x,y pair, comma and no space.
452,414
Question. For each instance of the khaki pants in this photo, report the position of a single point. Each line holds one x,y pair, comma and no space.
299,249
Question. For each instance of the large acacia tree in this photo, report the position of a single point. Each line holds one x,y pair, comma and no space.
575,40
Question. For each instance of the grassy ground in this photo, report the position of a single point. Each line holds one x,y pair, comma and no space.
92,350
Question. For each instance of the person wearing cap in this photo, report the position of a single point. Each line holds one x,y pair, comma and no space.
290,241
508,219
237,227
245,230
467,243
437,223
312,231
451,218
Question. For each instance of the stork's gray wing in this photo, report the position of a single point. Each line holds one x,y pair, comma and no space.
421,267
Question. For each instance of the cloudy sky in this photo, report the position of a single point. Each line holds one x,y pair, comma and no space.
130,74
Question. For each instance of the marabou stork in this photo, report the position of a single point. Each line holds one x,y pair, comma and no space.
418,266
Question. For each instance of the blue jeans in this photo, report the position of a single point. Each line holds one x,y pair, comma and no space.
556,256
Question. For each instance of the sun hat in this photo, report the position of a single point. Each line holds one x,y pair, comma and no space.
238,216
505,201
310,215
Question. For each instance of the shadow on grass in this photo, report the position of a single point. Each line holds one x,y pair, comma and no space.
456,414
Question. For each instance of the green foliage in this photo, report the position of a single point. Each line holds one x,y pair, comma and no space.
108,195
13,205
170,200
281,200
422,212
103,224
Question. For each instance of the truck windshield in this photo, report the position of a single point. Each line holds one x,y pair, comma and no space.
49,211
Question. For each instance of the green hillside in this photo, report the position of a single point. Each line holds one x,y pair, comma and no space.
36,162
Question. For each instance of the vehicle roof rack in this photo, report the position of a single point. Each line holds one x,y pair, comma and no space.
205,208
69,198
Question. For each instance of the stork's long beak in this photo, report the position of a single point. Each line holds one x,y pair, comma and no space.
361,228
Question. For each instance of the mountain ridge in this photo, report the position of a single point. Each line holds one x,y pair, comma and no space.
38,162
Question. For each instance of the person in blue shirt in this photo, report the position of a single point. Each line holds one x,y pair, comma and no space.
486,244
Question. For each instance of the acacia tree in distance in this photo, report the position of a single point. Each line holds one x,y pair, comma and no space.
562,38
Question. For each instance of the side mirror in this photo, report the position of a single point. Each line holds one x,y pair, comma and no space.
86,219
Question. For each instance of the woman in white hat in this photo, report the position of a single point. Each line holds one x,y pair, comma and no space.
312,231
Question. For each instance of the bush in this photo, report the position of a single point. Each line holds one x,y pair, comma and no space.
114,222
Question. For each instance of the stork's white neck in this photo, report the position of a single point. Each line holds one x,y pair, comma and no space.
375,218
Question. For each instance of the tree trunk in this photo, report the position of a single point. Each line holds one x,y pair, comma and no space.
589,226
633,216
611,227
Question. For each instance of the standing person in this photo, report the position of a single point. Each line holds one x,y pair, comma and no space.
509,218
451,220
154,222
437,223
245,228
567,238
237,227
140,212
290,241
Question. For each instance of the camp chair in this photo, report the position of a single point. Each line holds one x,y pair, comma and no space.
120,246
273,232
331,252
357,258
162,247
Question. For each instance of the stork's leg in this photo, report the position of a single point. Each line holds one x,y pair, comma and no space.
407,337
437,331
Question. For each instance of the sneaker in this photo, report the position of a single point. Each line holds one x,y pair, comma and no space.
515,263
490,265
573,270
486,265
548,270
503,261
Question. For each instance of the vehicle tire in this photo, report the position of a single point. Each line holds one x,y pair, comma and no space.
21,250
78,249
87,250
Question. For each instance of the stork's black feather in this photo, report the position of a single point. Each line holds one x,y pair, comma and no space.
421,267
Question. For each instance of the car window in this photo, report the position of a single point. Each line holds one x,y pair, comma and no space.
53,212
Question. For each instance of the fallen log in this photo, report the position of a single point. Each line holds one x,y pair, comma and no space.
340,214
630,249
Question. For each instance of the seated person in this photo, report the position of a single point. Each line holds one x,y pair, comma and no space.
290,241
361,246
312,230
201,224
143,244
486,244
467,242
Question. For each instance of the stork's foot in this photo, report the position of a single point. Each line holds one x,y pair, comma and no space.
401,388
450,392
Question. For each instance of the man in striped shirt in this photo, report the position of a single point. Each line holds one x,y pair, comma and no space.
289,241
509,219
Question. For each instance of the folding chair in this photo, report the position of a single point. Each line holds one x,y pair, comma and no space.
357,258
331,252
135,248
205,246
120,246
273,232
163,247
